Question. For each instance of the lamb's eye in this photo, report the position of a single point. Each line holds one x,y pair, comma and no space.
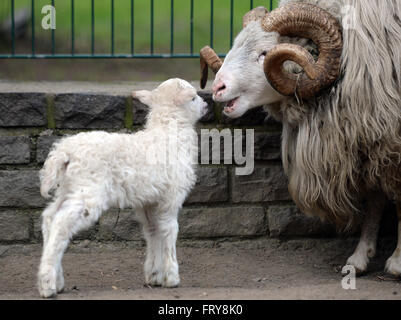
263,54
193,98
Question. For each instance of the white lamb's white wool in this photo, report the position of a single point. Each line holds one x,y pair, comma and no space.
92,172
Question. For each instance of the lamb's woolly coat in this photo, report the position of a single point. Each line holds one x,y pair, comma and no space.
151,171
126,170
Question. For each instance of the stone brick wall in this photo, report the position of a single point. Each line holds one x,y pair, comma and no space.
222,205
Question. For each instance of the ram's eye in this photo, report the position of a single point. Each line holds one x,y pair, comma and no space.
262,57
193,98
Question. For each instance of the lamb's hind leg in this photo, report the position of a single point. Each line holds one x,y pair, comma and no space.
71,218
366,248
160,230
47,219
393,264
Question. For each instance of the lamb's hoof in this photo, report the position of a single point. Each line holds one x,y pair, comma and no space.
47,293
171,280
154,279
359,263
47,283
393,267
46,288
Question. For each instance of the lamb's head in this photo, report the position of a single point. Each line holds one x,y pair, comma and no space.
175,96
257,55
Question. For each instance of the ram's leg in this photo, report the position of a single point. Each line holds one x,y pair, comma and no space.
393,264
366,248
71,218
160,231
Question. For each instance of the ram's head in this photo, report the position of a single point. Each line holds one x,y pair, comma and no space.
257,55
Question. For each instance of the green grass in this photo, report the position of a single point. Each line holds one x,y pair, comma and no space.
162,25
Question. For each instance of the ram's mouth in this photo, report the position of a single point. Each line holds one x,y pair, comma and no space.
230,105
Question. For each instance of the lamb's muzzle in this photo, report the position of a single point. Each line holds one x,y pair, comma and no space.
208,58
311,22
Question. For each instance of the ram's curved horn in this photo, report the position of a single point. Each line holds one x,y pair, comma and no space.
311,22
208,58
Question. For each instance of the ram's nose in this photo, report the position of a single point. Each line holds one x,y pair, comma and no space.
218,87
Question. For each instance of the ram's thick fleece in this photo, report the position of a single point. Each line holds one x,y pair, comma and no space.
347,142
151,171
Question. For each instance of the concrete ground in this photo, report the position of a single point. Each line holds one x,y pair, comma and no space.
248,269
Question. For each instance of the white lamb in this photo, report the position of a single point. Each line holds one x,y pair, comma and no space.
151,171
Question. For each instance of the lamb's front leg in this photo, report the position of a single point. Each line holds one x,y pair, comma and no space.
366,248
160,231
393,264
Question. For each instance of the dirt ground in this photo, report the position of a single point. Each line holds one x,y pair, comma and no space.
250,269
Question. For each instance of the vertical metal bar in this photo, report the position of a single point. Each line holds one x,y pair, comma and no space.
211,23
151,26
72,28
33,26
12,27
132,27
53,37
231,22
112,27
192,27
271,5
172,28
93,27
251,4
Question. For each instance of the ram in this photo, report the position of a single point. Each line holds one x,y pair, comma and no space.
333,70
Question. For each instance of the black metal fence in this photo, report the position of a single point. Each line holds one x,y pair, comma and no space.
14,20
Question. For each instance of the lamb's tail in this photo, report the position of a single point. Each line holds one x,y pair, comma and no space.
52,172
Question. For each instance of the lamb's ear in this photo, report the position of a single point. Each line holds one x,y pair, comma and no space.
143,95
184,96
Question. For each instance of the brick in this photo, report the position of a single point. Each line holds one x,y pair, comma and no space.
222,222
23,110
14,225
267,146
263,185
20,189
14,150
290,221
127,227
140,111
44,145
80,111
211,186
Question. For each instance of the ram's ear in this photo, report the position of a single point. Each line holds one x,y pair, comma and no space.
256,14
143,95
